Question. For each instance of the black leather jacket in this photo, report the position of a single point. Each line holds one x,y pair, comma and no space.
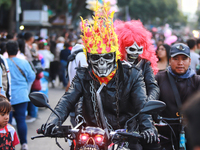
131,98
152,88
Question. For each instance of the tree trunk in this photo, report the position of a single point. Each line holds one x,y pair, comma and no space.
11,21
79,5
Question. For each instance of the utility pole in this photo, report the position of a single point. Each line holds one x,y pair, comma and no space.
18,11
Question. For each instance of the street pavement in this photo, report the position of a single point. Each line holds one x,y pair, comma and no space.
43,114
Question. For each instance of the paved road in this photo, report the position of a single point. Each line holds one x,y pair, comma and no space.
45,143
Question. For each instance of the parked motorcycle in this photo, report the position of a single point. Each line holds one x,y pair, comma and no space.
93,138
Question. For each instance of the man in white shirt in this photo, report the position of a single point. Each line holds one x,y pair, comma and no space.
79,61
194,56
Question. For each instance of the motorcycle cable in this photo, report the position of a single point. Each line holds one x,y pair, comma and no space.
57,143
171,134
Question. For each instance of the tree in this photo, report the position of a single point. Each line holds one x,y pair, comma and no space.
6,3
60,7
73,7
10,6
148,10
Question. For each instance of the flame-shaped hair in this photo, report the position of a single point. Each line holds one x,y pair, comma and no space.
134,31
99,36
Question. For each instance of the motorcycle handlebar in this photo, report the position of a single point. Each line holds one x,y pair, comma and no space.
62,131
131,135
118,135
40,131
169,119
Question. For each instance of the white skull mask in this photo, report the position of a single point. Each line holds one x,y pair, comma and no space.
102,64
133,52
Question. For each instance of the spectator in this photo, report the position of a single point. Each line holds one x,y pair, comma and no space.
191,112
176,84
159,42
36,86
194,56
52,43
29,39
55,65
63,64
163,55
8,135
47,55
6,79
1,84
198,46
20,81
59,47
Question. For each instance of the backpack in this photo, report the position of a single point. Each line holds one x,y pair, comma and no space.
71,58
5,81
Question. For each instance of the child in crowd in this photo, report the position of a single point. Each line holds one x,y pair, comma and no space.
8,135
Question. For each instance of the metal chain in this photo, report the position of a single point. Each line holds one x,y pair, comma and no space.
110,128
94,102
95,105
117,96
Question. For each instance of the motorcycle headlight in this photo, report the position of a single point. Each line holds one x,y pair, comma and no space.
84,137
99,138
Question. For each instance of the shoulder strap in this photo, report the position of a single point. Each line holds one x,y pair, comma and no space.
19,69
6,129
73,55
175,90
1,61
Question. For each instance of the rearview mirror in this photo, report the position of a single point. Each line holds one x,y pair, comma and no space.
153,107
39,99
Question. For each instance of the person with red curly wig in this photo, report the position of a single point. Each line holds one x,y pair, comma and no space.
137,50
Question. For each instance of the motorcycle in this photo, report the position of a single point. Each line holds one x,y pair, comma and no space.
94,138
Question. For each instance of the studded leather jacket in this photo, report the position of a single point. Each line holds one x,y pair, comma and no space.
122,97
152,88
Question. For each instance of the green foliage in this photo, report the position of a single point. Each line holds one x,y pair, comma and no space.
148,10
59,6
6,3
73,7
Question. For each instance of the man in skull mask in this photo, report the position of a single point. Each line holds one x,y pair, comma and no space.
124,94
136,49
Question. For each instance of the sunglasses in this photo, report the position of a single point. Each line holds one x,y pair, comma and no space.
133,49
95,57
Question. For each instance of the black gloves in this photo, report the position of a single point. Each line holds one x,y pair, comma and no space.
48,129
150,135
79,119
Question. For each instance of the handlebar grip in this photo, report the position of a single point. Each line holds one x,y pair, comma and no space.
40,131
131,135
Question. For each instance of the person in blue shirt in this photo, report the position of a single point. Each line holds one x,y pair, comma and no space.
22,76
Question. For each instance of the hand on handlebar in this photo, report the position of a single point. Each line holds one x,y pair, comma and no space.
48,129
150,135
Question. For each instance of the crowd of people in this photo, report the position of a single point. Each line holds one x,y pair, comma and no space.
25,63
123,57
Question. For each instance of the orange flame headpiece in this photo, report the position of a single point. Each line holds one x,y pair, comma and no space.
99,36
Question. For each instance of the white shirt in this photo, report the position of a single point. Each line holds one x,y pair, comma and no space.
194,60
48,57
80,60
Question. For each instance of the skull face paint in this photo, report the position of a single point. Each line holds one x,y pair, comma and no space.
102,64
133,52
